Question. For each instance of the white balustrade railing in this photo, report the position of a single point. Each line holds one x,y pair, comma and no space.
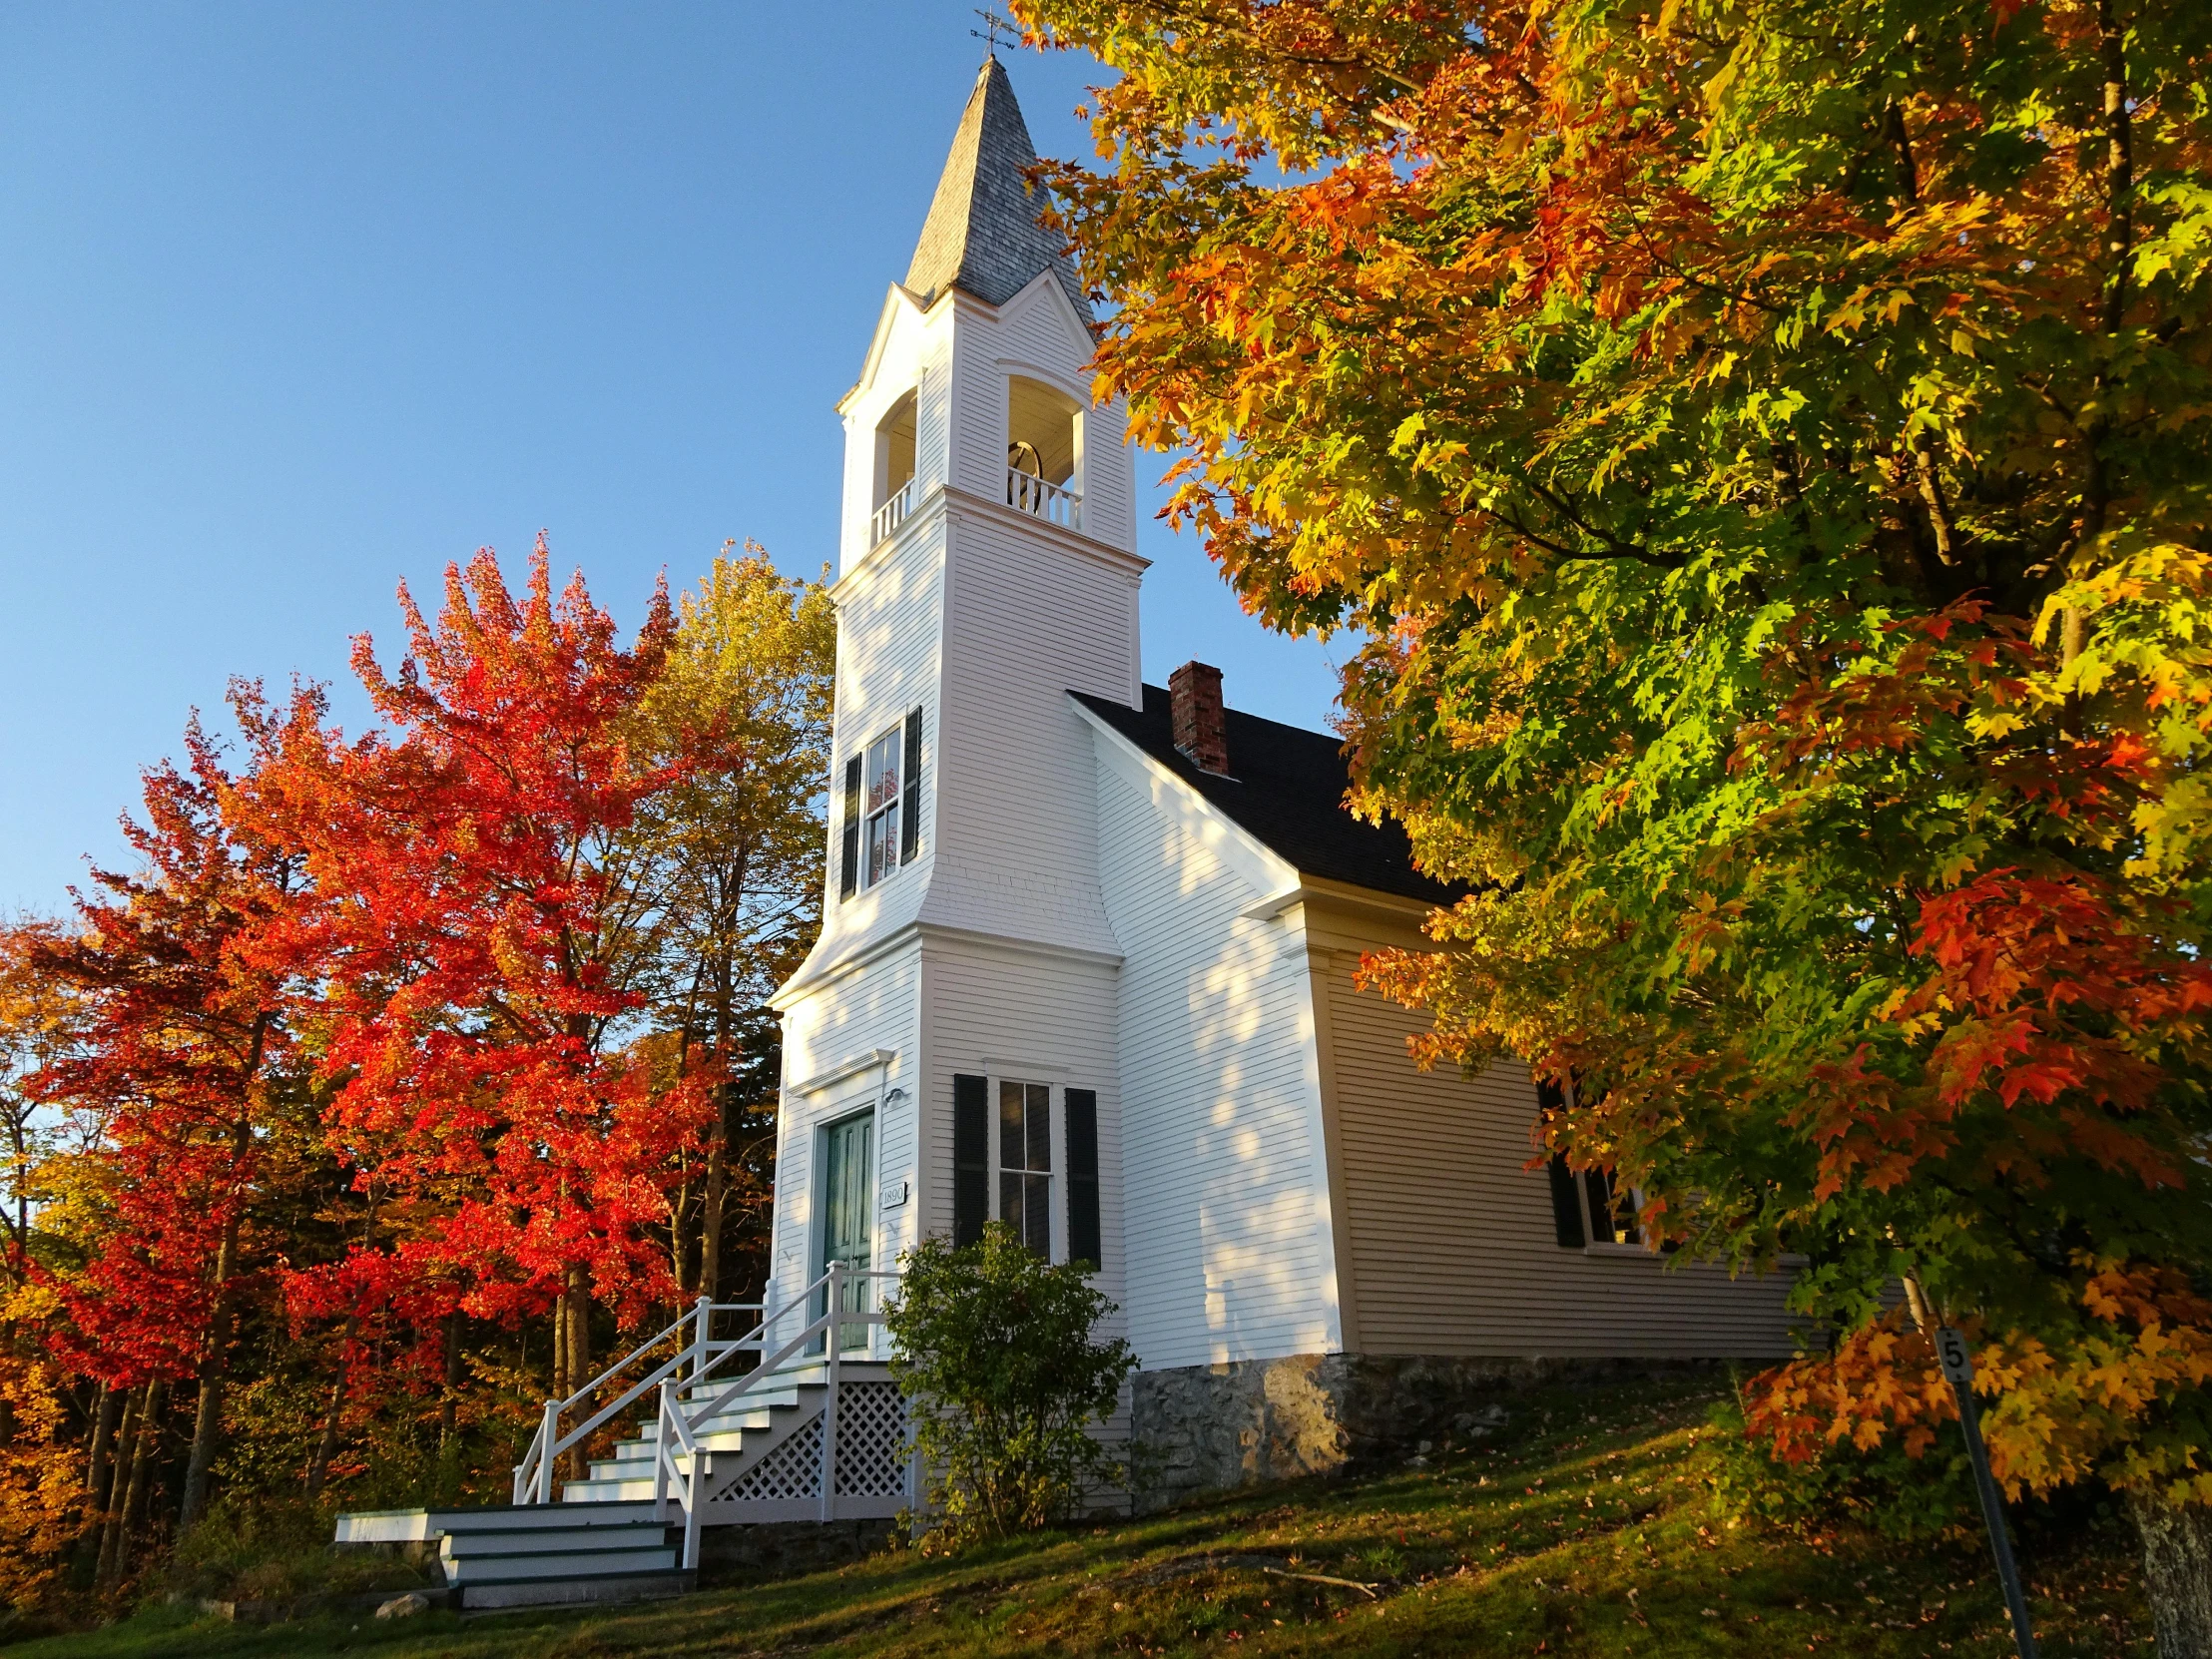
676,1433
533,1481
892,513
1028,493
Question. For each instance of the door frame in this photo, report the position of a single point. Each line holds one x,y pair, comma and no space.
828,1126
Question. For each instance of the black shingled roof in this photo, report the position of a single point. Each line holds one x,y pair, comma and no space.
1286,786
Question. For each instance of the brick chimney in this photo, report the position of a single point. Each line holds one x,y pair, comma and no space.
1194,694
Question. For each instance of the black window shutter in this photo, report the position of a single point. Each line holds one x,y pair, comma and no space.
849,879
1566,1208
1083,1176
1566,1213
971,1159
910,818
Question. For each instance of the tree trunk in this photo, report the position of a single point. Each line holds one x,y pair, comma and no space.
2177,1574
579,1356
111,1488
104,1416
122,1522
449,1403
139,1493
711,1213
327,1447
680,1258
560,1346
215,1363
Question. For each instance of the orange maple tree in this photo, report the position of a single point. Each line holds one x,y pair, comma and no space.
1764,449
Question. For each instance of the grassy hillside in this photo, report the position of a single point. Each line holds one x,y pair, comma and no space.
1584,1528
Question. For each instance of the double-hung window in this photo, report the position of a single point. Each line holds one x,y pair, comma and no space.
882,806
1026,1162
1589,1207
1609,1209
1010,1141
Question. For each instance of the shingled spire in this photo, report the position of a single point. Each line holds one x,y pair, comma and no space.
982,234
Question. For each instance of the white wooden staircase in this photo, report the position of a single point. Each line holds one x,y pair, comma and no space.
809,1434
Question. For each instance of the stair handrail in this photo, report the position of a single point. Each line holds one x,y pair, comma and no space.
831,1281
533,1477
672,1424
680,1424
525,1471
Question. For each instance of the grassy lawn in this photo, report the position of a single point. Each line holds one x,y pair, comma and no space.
1583,1529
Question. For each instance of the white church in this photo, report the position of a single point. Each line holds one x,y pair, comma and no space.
1086,966
1087,953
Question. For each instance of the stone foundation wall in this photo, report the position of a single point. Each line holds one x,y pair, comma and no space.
727,1553
1203,1428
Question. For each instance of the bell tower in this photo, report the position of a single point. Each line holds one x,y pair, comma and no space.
987,567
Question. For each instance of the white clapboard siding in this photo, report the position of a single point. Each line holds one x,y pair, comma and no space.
1225,1205
889,632
997,1010
1452,1245
979,394
877,1009
1028,617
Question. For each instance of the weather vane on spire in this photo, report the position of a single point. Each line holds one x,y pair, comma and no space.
993,27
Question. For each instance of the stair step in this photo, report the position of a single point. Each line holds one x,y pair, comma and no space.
592,1493
398,1527
746,1416
578,1538
730,1437
749,1406
573,1563
641,1469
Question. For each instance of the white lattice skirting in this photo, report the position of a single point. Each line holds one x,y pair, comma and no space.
871,1441
785,1482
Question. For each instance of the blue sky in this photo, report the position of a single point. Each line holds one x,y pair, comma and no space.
296,300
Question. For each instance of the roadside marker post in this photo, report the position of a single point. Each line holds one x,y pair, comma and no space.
1956,1358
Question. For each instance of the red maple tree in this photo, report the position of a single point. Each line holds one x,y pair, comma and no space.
183,1030
472,946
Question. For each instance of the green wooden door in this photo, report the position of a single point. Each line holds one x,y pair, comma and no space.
848,1210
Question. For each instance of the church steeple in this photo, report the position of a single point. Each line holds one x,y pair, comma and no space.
982,234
